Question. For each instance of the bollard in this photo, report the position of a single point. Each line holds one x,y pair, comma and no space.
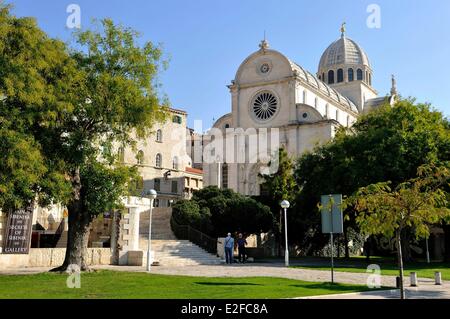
413,278
438,278
397,282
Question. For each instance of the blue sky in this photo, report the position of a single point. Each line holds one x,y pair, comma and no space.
207,40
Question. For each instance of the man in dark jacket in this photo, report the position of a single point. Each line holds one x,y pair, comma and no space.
241,248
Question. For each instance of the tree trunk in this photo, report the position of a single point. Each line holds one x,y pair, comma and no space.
78,233
400,263
347,249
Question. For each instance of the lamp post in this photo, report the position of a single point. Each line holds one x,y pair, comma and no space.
151,194
285,205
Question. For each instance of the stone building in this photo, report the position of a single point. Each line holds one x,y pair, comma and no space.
277,103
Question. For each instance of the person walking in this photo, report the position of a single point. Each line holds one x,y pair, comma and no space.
242,242
229,248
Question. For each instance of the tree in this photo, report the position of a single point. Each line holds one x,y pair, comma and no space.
416,203
387,144
117,103
36,78
70,109
279,186
216,212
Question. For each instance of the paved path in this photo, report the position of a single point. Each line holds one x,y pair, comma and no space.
426,288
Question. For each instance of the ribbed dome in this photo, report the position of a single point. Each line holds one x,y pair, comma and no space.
343,51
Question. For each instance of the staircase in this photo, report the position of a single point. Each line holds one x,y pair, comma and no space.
168,250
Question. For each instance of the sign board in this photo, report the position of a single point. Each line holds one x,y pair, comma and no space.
332,221
18,232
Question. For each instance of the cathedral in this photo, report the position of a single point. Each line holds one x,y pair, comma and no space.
272,92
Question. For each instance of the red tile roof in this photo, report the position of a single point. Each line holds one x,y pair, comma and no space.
194,170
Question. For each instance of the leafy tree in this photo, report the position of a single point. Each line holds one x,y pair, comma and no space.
217,212
117,103
416,203
71,108
36,78
277,187
388,144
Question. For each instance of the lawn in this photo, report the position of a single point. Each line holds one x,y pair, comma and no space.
388,267
125,285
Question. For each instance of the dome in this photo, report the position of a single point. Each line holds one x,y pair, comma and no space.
344,51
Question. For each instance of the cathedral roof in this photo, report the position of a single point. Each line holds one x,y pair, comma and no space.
319,85
343,51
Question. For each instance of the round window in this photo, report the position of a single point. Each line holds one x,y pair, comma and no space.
265,105
305,115
265,67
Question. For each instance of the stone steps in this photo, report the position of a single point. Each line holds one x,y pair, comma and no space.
168,250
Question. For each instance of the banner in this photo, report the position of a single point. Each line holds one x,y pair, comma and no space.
18,232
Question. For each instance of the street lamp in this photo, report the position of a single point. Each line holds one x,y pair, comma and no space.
285,205
151,194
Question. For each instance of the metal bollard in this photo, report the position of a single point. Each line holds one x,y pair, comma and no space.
413,278
397,281
438,278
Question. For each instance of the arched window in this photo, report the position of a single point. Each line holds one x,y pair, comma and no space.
121,154
227,126
337,115
327,111
175,163
316,102
351,75
159,136
340,76
359,75
158,160
330,77
224,176
140,157
305,96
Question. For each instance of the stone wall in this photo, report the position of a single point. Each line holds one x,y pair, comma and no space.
52,257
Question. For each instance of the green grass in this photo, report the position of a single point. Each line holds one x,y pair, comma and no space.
388,267
124,285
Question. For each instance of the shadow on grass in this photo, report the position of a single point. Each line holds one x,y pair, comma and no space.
227,284
333,287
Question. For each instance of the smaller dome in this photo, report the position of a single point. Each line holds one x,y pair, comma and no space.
343,51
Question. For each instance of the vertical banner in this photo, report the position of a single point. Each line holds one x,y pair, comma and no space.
18,231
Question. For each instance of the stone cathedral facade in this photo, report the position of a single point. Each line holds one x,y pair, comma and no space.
270,91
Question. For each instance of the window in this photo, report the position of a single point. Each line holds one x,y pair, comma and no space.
264,106
157,184
174,187
367,76
370,79
159,136
156,203
175,164
340,76
330,77
158,160
359,75
305,97
327,111
121,154
177,119
224,176
337,115
316,102
351,75
227,126
140,157
323,77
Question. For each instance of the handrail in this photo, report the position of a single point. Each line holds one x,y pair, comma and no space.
195,236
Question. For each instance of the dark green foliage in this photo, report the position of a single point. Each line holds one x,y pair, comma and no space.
217,212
